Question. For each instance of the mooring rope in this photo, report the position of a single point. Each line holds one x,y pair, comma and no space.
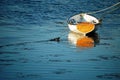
94,12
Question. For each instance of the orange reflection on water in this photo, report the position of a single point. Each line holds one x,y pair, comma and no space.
82,41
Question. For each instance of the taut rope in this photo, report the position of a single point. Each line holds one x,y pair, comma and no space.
94,12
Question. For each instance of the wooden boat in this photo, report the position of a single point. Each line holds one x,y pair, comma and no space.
82,23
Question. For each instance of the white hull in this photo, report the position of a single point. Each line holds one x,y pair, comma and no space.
73,21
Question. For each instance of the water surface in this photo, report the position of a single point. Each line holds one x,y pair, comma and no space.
26,26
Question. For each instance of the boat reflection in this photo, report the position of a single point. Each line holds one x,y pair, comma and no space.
82,41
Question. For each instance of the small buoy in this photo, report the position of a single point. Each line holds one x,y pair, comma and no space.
82,23
57,39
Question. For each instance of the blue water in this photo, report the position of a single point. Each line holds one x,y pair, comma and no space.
26,52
